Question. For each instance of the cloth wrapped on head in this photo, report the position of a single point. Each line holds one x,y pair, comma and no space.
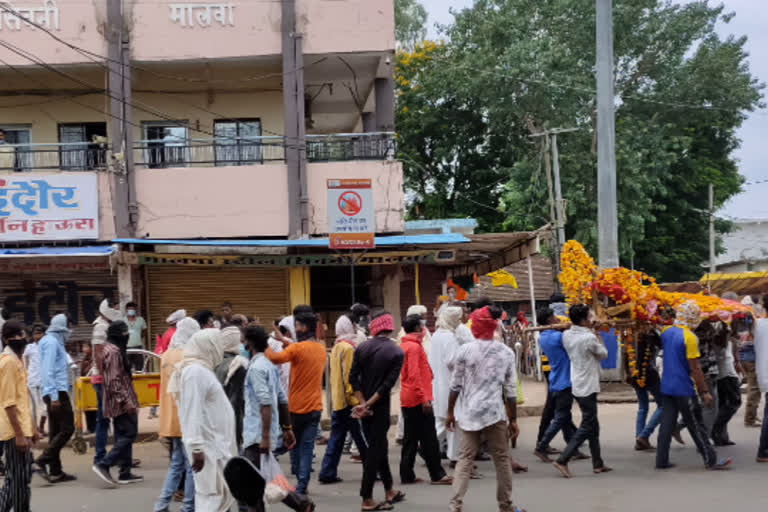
450,318
688,314
483,324
382,323
176,317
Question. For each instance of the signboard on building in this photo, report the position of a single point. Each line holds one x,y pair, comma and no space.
49,207
351,216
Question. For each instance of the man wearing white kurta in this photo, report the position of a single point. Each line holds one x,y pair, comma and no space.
444,347
207,420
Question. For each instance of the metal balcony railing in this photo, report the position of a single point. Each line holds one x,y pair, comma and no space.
168,153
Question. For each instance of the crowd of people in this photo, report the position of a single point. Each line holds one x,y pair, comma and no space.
229,387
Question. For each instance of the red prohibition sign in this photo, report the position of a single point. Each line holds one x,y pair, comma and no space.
350,203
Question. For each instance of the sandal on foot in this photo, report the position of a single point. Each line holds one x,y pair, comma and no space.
722,465
563,469
397,498
604,469
384,505
444,481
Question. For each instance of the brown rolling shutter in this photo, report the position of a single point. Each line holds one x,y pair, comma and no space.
256,292
35,297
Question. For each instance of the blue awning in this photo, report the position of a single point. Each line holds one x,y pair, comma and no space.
88,250
381,241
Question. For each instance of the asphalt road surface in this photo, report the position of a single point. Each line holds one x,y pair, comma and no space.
634,486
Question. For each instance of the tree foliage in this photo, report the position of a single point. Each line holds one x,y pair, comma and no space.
410,23
512,68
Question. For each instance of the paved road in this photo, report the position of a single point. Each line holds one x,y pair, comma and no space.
633,487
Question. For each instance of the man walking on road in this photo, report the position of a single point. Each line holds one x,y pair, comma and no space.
55,374
585,351
169,422
486,380
17,426
681,370
748,359
107,315
375,369
761,367
120,405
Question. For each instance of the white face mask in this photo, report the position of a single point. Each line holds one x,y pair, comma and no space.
131,312
423,323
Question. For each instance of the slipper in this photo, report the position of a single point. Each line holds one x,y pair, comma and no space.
397,498
445,481
519,468
477,476
761,460
581,456
604,469
336,480
543,457
384,505
664,468
722,465
413,482
563,469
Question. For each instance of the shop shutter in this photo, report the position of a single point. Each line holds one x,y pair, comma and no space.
36,297
256,292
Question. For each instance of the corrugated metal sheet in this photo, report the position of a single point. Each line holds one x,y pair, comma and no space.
36,297
543,282
258,292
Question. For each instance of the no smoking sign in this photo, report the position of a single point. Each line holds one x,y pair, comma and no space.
351,214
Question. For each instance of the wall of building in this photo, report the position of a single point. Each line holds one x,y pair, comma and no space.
333,26
388,193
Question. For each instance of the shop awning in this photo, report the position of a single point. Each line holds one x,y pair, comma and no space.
88,250
381,241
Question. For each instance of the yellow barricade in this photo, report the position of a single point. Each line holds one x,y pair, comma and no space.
147,388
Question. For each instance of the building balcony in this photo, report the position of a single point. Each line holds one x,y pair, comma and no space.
213,152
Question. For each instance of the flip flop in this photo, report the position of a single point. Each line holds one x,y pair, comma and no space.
445,481
722,465
384,505
414,482
604,469
519,468
397,498
562,469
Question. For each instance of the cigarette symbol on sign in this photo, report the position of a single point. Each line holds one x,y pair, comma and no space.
350,203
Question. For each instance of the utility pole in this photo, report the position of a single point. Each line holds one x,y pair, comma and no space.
559,206
712,268
607,214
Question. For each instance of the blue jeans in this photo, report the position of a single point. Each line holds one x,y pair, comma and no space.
179,466
341,423
102,427
763,450
643,429
305,428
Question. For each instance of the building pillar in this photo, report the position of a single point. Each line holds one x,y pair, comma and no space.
391,292
300,291
369,122
125,284
385,104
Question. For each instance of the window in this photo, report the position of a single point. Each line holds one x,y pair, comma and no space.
78,150
238,141
165,144
18,157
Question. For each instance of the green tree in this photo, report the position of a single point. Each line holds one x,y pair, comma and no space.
410,23
512,68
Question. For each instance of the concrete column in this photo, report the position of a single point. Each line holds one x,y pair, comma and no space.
125,284
391,291
369,122
385,105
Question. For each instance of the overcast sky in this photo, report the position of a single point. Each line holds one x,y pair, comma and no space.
751,20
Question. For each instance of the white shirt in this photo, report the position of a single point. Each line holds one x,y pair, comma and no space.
726,364
444,348
285,368
585,352
761,353
208,426
32,359
484,372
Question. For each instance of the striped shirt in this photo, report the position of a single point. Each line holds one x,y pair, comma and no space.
119,395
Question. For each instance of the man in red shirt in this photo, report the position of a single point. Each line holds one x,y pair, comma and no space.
416,402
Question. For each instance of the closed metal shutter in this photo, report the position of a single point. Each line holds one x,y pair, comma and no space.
257,292
36,297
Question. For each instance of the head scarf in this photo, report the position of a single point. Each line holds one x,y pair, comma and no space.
185,329
116,329
450,318
289,324
231,344
109,313
345,329
176,317
203,349
381,324
417,310
483,324
59,327
464,335
688,314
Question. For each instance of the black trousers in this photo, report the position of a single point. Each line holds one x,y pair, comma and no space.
589,430
420,429
547,415
563,419
375,429
729,398
61,427
688,407
294,500
126,428
15,494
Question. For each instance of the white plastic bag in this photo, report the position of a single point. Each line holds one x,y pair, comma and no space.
277,487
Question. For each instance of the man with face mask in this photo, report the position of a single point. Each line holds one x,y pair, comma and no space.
121,405
136,328
55,375
17,425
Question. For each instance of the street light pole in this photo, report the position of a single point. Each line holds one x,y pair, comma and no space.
607,214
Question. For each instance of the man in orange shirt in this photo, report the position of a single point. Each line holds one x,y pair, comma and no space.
307,357
169,422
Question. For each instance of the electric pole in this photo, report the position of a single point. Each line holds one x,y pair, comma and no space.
607,214
712,268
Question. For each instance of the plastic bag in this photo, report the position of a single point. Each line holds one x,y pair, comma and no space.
277,487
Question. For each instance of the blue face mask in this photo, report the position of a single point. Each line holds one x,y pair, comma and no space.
244,352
